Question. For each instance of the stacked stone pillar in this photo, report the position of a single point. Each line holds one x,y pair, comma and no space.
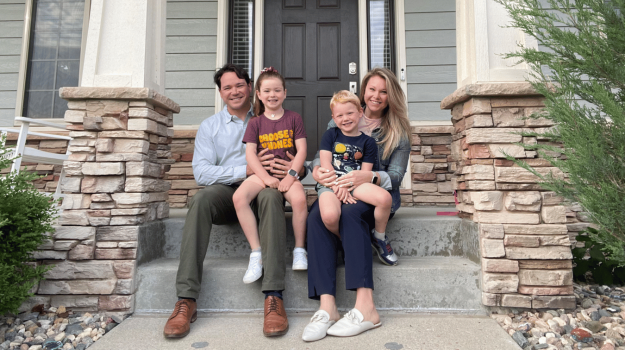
524,238
115,197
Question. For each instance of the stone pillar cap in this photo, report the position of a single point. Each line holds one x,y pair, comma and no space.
488,89
119,93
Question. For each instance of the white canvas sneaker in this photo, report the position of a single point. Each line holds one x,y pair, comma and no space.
254,269
300,259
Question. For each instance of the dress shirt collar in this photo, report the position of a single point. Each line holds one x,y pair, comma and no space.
232,118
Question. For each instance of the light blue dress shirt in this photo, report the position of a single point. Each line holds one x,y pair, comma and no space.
219,155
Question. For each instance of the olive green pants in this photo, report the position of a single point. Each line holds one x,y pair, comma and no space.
213,205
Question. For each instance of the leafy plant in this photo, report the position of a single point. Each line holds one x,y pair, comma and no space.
604,271
25,216
579,68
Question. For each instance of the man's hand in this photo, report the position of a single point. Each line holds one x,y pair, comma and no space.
271,182
281,166
286,183
265,159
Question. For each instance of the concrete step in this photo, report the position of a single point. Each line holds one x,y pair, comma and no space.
400,330
415,232
429,284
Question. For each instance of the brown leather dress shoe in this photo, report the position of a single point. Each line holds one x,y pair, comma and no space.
179,323
276,322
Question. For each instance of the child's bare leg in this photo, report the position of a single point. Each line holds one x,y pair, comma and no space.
378,197
330,210
296,195
249,189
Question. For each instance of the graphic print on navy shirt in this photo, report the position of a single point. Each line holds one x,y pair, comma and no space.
349,152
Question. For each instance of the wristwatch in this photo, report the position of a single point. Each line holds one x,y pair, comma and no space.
374,179
293,173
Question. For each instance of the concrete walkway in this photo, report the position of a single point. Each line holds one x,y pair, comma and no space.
399,330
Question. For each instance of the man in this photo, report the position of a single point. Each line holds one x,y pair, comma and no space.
219,164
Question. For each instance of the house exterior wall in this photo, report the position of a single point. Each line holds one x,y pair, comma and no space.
430,56
11,29
190,56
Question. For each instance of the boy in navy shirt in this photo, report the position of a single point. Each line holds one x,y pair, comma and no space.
344,149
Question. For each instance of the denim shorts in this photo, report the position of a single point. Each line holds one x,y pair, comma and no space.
323,189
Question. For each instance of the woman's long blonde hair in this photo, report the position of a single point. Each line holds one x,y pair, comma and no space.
395,125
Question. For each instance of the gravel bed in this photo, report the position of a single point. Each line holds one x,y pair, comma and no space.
53,329
598,322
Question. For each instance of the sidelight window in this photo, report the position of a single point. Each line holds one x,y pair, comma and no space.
380,30
241,34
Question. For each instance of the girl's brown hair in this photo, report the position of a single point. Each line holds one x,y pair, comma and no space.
269,72
395,125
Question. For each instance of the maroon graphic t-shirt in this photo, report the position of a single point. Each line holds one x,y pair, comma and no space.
277,135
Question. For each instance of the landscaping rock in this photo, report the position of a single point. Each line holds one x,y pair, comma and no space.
597,323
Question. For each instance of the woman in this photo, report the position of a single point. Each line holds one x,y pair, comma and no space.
385,119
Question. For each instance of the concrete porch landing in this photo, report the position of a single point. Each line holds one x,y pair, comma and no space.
244,331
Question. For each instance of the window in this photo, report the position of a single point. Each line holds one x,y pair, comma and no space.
54,55
380,28
241,34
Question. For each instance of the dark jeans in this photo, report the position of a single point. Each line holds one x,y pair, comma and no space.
213,205
323,246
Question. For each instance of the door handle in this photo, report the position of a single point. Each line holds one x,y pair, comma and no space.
352,87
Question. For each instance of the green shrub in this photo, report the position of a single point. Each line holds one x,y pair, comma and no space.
581,73
25,216
590,258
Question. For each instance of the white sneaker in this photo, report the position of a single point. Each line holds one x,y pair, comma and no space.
254,269
300,259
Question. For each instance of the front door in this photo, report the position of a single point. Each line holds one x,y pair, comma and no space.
312,43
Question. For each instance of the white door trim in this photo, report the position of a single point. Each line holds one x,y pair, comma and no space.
221,54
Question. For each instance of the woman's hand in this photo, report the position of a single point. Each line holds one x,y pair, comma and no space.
354,179
324,176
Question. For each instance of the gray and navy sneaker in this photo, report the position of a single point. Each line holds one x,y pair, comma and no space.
385,252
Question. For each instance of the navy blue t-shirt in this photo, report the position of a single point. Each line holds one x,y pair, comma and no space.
349,152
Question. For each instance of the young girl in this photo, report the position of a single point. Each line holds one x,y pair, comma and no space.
345,148
278,130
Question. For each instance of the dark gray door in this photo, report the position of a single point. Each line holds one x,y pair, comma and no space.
311,43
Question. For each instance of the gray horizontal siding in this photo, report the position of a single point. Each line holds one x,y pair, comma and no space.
11,29
190,58
432,38
192,9
10,46
185,80
192,114
430,56
427,111
191,44
430,20
429,5
13,11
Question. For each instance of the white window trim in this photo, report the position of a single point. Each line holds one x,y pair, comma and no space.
21,82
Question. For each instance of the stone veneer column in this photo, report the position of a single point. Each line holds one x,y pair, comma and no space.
524,237
115,196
